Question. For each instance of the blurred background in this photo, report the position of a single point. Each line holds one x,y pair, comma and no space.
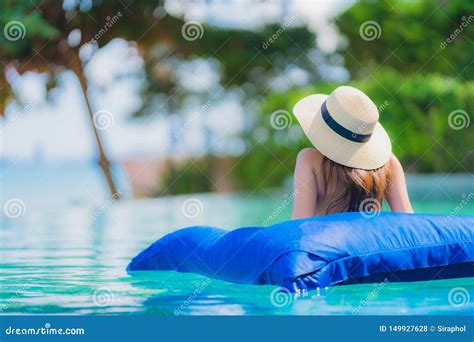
121,121
150,98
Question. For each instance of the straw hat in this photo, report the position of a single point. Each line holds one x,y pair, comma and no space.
344,127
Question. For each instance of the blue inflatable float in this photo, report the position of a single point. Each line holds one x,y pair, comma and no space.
322,251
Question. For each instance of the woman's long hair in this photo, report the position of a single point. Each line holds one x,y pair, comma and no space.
362,190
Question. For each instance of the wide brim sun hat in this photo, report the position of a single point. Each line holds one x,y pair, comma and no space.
344,127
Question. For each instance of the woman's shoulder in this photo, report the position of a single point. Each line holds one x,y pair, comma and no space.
310,153
395,165
310,156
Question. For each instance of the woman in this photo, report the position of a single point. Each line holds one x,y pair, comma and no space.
352,167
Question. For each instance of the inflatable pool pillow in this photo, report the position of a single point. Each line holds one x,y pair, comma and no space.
322,251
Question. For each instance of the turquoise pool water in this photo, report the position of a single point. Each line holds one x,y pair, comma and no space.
69,258
64,263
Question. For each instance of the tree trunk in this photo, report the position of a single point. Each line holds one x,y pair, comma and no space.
103,161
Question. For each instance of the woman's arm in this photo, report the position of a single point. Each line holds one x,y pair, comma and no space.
305,188
397,195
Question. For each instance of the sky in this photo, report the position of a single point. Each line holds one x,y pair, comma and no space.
59,130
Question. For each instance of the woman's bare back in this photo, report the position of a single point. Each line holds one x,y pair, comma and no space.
310,188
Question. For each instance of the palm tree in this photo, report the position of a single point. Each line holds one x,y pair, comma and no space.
35,40
41,44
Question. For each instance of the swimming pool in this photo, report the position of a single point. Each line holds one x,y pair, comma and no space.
70,259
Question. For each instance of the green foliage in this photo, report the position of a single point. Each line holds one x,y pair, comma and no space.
416,115
411,37
245,55
188,177
34,27
420,64
242,57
